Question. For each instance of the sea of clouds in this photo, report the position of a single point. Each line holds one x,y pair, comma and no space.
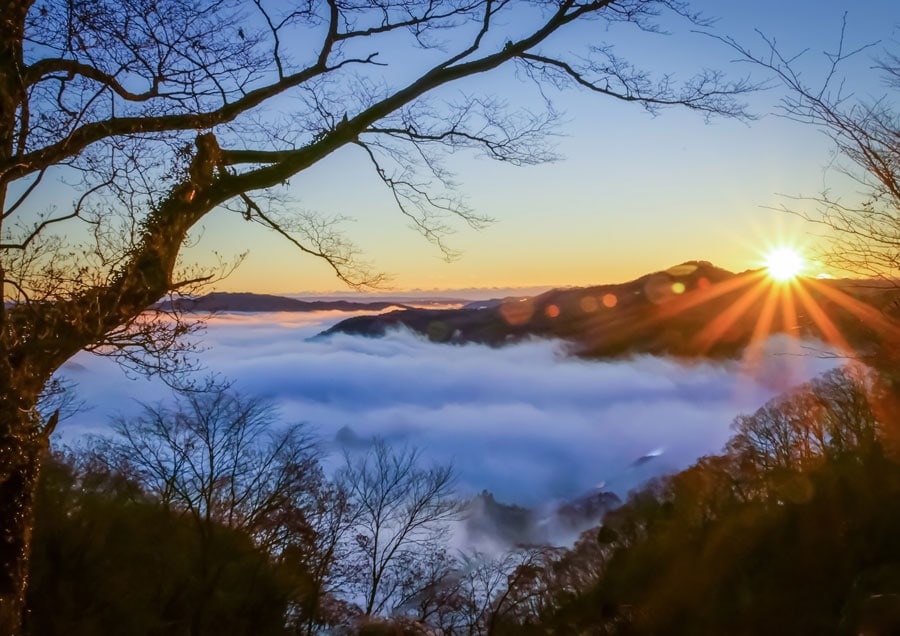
526,421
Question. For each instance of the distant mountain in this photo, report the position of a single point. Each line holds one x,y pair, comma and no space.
459,296
489,522
692,309
247,302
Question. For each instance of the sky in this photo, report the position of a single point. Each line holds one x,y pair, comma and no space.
526,421
632,193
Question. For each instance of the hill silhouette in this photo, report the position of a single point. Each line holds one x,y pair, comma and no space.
692,309
249,302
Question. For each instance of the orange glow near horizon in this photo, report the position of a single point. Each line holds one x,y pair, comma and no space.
766,302
867,314
763,327
714,331
820,318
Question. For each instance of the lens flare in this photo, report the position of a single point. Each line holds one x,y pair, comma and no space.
784,263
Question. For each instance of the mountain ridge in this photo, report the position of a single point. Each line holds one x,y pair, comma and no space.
215,302
692,309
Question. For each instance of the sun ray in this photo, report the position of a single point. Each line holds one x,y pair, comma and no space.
625,322
700,296
714,331
762,329
866,313
788,310
820,318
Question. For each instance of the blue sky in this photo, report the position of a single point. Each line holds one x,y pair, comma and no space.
632,193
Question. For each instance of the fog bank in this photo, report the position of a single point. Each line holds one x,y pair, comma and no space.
525,421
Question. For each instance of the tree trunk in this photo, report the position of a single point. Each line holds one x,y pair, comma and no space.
22,443
20,434
37,340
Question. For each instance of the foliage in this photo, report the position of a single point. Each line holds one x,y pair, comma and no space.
173,514
223,460
791,530
110,559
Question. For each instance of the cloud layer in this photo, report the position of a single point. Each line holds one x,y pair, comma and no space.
524,421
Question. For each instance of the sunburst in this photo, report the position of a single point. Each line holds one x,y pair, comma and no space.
777,294
784,263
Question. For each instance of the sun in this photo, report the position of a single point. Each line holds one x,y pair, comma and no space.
784,263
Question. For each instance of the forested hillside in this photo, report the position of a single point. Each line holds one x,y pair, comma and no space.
791,529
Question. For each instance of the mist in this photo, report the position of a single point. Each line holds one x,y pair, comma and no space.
526,421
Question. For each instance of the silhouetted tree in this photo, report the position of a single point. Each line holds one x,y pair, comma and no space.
157,112
828,417
223,460
477,594
318,553
790,530
222,457
401,513
111,559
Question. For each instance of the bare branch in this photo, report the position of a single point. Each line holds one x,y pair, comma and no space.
863,230
45,67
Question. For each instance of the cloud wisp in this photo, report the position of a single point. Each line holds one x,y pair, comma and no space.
525,421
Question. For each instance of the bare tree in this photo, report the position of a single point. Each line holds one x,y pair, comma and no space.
320,553
224,459
863,226
156,112
401,516
219,456
475,594
832,416
494,591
